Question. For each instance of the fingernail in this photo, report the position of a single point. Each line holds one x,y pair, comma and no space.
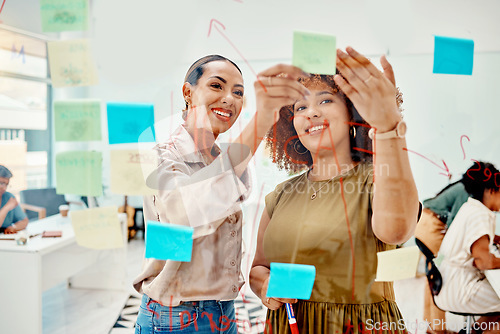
340,53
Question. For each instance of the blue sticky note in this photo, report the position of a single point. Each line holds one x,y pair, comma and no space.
289,280
169,241
130,123
453,55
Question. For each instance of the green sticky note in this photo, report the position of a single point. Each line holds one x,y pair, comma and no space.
77,120
314,53
79,173
64,15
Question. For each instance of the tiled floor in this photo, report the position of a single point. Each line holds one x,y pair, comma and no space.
78,311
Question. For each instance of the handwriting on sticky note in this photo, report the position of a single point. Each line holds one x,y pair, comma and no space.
97,228
71,63
166,241
79,173
314,53
397,264
289,280
64,15
453,55
15,54
130,122
77,120
129,171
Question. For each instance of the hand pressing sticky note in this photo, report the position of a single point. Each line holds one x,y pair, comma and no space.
397,264
453,55
166,241
97,228
130,123
314,53
289,280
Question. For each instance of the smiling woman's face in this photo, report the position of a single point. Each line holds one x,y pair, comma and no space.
216,100
321,120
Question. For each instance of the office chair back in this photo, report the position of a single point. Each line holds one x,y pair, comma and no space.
431,271
46,198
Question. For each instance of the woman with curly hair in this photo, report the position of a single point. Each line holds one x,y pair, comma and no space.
332,216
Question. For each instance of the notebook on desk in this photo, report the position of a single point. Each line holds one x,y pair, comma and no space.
493,277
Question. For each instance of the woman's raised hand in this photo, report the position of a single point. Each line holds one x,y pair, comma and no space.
372,92
277,87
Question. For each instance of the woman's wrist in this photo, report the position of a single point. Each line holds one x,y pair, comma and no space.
14,226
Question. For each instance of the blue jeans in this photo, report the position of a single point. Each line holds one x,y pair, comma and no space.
205,316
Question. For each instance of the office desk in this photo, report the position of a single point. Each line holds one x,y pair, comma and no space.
26,271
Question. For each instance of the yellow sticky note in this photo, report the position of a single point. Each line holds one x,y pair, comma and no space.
130,169
97,228
71,63
397,264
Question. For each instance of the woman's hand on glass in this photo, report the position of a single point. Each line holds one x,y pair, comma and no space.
271,302
277,87
372,92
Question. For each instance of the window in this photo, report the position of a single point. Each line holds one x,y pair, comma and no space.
25,93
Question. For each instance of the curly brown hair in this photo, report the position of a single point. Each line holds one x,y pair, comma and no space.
287,151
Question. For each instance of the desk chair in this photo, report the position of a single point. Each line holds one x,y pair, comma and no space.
436,282
41,203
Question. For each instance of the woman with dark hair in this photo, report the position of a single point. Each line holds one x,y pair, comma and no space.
201,186
437,216
466,251
12,217
333,216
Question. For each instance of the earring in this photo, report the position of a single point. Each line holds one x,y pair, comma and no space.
352,132
297,142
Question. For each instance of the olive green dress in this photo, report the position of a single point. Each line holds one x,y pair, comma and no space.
345,297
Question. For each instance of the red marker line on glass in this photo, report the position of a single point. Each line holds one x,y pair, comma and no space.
215,23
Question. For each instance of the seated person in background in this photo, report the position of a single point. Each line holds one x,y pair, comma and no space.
12,217
437,217
466,251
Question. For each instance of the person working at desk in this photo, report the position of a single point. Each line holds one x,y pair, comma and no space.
466,252
12,217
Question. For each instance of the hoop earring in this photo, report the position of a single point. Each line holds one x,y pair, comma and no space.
300,144
352,132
